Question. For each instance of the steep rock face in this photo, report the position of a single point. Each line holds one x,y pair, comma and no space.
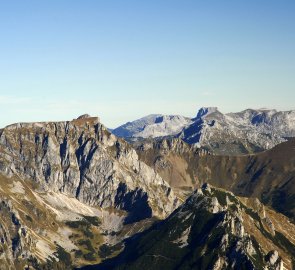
82,159
213,229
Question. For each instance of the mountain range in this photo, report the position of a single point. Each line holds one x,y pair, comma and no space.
163,192
248,131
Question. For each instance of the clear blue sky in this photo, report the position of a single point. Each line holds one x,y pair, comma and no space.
121,60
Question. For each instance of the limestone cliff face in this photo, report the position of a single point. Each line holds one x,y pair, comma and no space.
82,159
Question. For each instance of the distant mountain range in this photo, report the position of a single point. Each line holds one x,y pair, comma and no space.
248,131
152,126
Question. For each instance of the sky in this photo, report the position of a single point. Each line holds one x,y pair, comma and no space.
121,60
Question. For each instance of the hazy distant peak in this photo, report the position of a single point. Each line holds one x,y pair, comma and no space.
153,125
205,111
84,116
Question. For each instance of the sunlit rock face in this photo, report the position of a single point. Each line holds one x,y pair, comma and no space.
82,159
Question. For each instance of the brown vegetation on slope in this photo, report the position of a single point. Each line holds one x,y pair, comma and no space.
269,175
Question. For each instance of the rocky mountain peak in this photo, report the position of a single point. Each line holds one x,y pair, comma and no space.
82,159
205,111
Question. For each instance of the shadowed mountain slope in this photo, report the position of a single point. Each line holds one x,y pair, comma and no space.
213,229
269,176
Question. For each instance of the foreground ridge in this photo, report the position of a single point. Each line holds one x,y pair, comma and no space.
213,229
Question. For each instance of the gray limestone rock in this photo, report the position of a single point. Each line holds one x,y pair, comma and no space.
82,159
